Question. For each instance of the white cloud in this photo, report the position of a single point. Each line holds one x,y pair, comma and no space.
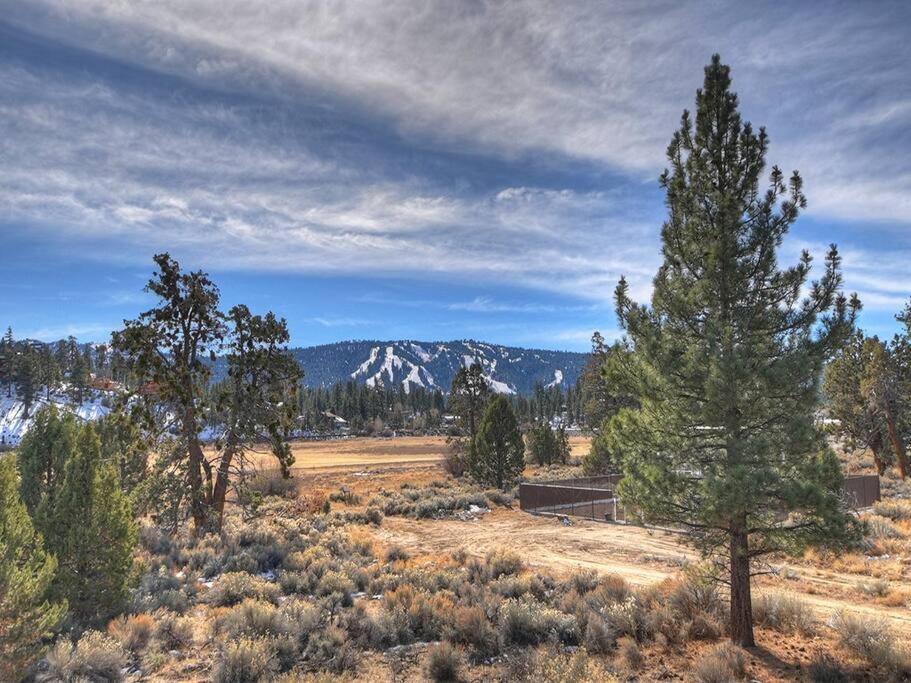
590,80
599,85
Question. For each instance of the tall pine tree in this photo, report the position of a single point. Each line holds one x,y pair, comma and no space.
726,361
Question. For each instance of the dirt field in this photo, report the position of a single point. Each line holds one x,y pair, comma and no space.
641,556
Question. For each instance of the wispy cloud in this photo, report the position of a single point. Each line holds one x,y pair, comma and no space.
340,322
503,143
81,331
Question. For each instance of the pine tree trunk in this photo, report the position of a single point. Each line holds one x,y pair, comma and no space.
741,599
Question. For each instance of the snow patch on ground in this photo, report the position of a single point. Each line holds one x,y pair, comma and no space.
14,424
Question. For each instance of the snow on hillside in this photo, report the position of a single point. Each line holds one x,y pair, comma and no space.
433,365
14,424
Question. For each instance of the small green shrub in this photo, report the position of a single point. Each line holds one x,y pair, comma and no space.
600,638
234,587
881,528
345,495
266,483
584,581
497,497
826,669
373,516
246,660
470,626
501,562
895,510
335,583
529,622
877,588
254,617
629,654
172,631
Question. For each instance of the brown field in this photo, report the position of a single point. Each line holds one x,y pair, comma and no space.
370,452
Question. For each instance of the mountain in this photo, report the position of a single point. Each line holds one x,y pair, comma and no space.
432,365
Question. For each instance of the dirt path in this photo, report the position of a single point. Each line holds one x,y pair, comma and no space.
641,556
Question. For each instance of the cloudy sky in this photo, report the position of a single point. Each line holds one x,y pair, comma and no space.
429,170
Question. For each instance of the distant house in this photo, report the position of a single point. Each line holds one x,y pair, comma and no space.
337,424
103,383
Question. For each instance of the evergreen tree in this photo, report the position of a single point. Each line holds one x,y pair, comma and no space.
124,445
27,377
27,619
546,447
45,448
497,454
7,360
48,370
468,397
728,358
171,348
864,395
254,401
599,400
90,528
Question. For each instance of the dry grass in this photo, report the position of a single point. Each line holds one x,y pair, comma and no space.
296,593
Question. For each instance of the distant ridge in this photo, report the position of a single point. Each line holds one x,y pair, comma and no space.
432,365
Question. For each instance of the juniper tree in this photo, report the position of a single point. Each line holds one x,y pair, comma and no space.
726,361
497,454
866,398
172,348
255,404
27,618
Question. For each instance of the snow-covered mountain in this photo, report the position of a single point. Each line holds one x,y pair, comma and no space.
433,365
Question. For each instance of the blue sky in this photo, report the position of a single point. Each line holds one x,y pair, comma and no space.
421,170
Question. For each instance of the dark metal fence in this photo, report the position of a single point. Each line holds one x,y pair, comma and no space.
862,490
592,497
595,497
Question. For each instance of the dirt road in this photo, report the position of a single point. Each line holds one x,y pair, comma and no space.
641,556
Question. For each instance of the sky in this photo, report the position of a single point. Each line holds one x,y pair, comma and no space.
430,171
